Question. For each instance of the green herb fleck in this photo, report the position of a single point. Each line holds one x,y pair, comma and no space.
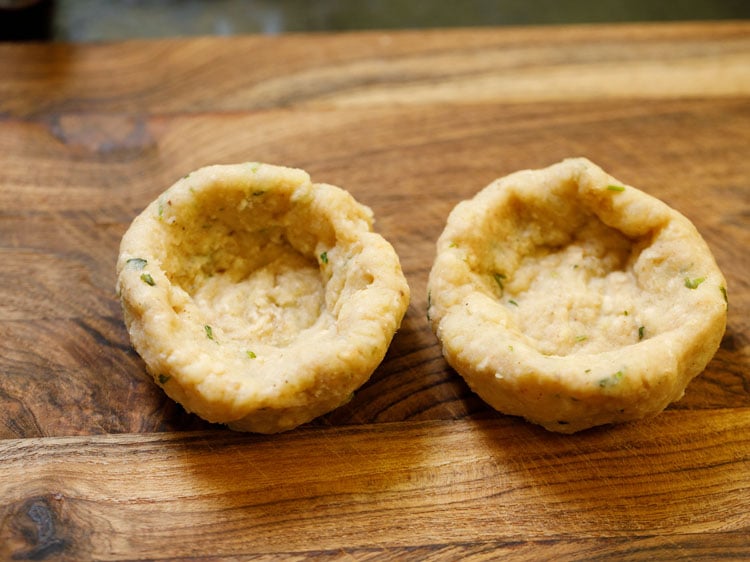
511,301
611,380
324,257
186,176
581,338
499,278
209,331
161,209
147,279
136,263
625,313
164,378
453,245
254,166
251,354
641,330
615,188
510,348
693,283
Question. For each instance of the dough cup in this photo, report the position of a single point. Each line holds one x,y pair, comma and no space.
569,298
257,298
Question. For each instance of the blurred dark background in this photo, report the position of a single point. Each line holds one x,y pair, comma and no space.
104,20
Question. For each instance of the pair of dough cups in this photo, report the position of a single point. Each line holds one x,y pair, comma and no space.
261,300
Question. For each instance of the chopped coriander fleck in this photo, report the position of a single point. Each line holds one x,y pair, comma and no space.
723,290
625,313
453,245
511,301
324,257
693,283
611,380
164,378
209,331
581,338
641,330
136,263
615,188
186,176
499,277
510,348
147,279
254,166
251,354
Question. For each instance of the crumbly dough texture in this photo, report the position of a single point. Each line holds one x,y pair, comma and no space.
257,298
569,298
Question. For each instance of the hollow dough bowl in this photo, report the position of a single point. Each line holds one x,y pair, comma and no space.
569,298
257,298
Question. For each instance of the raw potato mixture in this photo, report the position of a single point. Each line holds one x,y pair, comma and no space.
257,298
569,298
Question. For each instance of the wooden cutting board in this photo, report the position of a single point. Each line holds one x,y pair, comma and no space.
95,462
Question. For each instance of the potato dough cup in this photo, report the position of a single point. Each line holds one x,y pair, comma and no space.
256,298
569,298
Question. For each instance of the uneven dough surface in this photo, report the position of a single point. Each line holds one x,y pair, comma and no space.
257,298
566,297
273,304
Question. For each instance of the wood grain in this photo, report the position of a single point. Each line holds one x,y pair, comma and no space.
95,462
374,68
387,488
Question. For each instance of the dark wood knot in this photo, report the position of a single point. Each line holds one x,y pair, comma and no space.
38,522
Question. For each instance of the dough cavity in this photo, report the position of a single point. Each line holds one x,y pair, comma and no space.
274,304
